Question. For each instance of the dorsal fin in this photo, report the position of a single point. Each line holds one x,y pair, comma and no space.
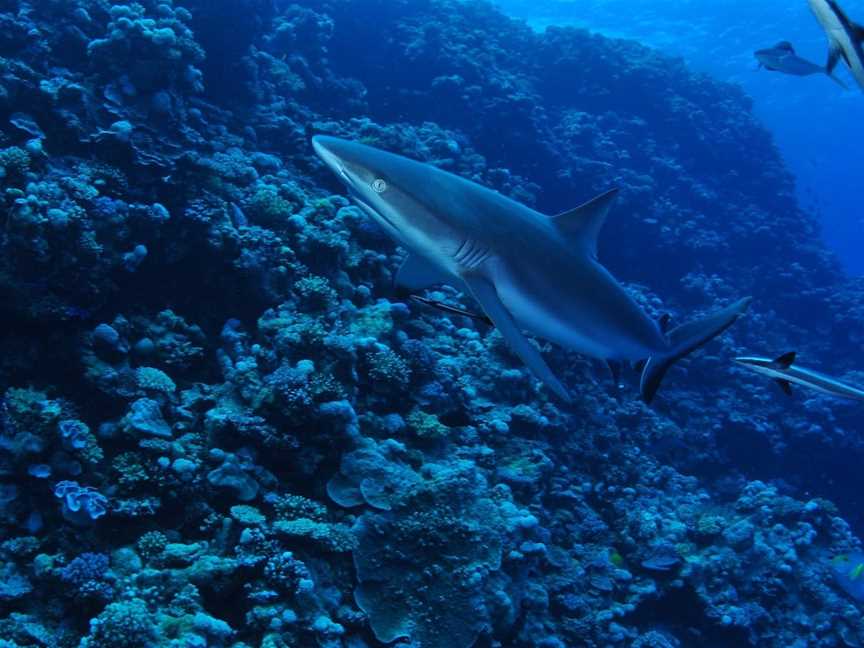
785,45
786,360
584,223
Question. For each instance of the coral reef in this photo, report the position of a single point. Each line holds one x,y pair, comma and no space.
221,426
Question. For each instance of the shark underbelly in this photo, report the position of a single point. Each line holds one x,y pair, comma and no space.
813,380
822,383
591,324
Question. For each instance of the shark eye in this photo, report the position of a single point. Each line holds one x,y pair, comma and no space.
379,186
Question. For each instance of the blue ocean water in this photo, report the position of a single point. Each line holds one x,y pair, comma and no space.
322,326
816,126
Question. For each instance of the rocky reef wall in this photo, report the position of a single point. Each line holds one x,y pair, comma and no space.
221,426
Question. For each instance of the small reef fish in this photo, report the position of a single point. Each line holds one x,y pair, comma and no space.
849,574
451,310
782,58
528,271
845,38
784,372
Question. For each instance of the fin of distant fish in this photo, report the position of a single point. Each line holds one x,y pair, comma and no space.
486,295
785,46
785,385
583,224
416,273
785,361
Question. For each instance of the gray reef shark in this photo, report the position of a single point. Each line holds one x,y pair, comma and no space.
528,271
782,58
845,38
784,372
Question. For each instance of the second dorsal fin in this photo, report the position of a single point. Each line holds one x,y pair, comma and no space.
583,224
786,360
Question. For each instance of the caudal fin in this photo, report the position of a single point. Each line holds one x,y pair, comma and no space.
687,338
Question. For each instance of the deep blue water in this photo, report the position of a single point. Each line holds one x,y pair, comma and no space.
816,125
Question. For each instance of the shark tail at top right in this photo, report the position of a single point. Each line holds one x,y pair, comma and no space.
685,339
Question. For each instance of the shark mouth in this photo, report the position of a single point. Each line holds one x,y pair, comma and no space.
380,218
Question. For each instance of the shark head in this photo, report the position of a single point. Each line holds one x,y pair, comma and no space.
396,192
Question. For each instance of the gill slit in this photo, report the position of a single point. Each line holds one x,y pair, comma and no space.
470,254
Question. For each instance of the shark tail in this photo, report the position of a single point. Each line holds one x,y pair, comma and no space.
685,339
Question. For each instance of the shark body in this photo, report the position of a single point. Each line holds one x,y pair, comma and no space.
785,373
782,58
528,271
845,38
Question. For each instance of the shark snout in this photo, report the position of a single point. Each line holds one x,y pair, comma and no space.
324,147
327,148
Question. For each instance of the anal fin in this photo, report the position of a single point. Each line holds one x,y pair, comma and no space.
484,292
785,385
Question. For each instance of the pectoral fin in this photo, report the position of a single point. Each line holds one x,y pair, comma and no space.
484,292
416,273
